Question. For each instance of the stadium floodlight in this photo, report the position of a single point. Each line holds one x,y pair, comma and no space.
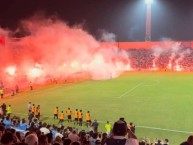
148,2
148,20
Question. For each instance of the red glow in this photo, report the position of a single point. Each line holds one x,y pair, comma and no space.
61,52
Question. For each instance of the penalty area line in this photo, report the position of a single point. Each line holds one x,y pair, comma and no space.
130,90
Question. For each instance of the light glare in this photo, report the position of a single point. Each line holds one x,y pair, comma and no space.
11,70
148,1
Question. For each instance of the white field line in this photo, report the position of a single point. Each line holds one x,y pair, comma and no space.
132,89
139,85
138,126
169,130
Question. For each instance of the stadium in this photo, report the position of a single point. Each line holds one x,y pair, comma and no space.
54,69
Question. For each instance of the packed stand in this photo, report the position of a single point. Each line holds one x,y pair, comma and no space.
180,59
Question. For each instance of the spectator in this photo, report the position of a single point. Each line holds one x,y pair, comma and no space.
119,132
166,142
73,136
58,140
104,138
95,125
23,125
42,140
7,122
58,133
31,139
93,138
66,141
50,138
44,130
131,126
75,143
189,141
7,138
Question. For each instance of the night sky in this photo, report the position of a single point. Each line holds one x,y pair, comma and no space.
125,18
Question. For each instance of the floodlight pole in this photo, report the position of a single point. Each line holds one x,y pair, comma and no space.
148,23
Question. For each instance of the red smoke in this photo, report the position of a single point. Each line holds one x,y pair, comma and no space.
53,49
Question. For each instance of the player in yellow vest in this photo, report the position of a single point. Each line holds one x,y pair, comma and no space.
88,119
33,108
61,117
9,111
80,116
76,116
37,112
56,113
1,92
69,113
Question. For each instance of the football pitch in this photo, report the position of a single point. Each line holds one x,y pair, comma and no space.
159,104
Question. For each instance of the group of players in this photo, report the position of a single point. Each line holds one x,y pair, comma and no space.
77,114
34,111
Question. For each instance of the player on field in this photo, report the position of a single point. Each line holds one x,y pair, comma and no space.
33,108
88,119
69,113
80,117
76,116
61,117
56,113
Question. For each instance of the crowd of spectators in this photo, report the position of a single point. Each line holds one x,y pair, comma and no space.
16,130
164,59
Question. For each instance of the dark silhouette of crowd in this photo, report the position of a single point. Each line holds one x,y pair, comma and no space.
16,130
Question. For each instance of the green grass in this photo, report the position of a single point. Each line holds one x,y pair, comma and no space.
159,100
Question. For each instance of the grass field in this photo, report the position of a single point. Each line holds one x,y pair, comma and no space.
160,104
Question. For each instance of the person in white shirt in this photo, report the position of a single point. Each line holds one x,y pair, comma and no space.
29,107
44,130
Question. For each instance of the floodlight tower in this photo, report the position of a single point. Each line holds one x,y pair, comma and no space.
148,20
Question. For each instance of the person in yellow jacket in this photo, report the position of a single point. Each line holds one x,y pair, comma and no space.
88,119
108,128
80,117
9,111
56,113
76,116
61,117
69,113
1,92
